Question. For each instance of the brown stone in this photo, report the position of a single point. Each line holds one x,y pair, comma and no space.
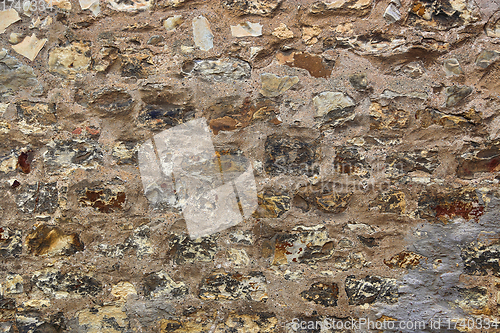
405,259
47,239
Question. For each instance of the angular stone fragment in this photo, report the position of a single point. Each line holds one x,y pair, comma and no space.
11,244
282,32
307,246
442,15
13,285
7,17
452,67
104,200
309,34
273,85
290,156
138,241
52,240
449,204
248,323
109,318
65,155
136,63
390,202
334,106
225,286
349,160
8,162
387,118
405,259
322,293
375,45
486,58
226,115
429,117
272,205
125,152
57,284
371,289
70,60
400,163
92,5
218,70
481,259
238,257
455,94
485,158
314,64
131,5
35,118
247,29
202,35
14,75
474,300
185,250
353,260
242,237
172,22
30,47
392,13
191,321
251,7
341,7
161,285
38,198
493,26
335,203
108,101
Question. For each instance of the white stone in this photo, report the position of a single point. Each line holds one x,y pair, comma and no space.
92,5
130,6
7,17
172,22
247,29
328,101
392,13
202,35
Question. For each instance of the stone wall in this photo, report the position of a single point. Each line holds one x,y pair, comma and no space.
372,127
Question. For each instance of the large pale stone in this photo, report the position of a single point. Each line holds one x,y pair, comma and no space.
328,101
172,22
247,29
30,47
273,85
7,17
202,35
70,60
131,5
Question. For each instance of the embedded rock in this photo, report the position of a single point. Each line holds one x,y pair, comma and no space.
104,200
226,286
57,284
161,285
202,35
322,293
272,205
371,289
11,243
38,198
185,250
130,6
273,85
390,202
455,94
14,74
405,259
52,240
247,29
70,60
251,7
218,70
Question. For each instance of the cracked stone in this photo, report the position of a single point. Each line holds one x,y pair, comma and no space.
480,259
30,46
387,117
282,32
38,198
248,323
107,318
442,15
11,243
273,85
161,285
429,117
401,163
218,70
371,289
35,118
125,152
65,155
474,300
390,202
104,200
139,241
225,286
307,246
309,34
185,250
57,284
14,75
252,7
8,17
322,293
70,60
52,240
455,94
353,260
349,160
271,205
323,197
485,158
290,156
173,22
449,204
13,285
